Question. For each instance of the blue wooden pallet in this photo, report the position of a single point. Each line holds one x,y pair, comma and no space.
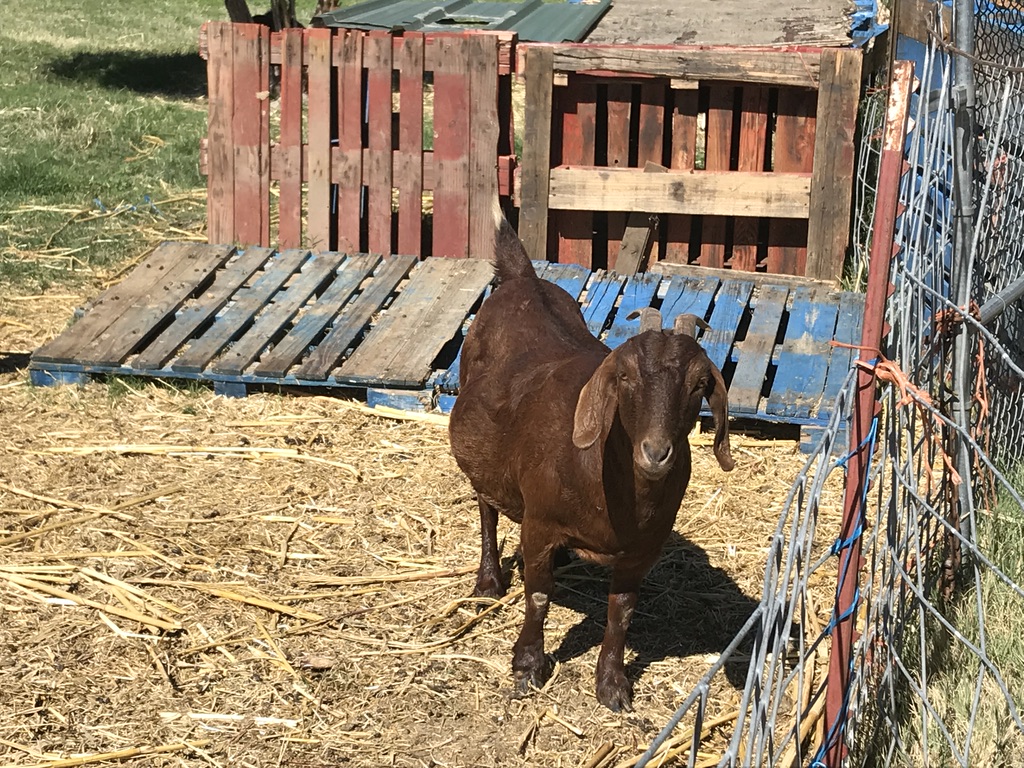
394,326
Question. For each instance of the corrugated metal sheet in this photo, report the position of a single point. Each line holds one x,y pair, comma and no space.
532,20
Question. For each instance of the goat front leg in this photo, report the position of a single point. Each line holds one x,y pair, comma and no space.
613,688
529,664
489,581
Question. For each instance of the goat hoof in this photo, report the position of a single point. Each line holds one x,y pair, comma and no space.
617,695
489,587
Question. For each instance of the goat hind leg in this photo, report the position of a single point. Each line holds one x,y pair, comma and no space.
489,581
529,664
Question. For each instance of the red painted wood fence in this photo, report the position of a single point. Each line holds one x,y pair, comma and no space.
758,144
365,125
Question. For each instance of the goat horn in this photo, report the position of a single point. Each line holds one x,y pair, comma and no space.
687,325
650,318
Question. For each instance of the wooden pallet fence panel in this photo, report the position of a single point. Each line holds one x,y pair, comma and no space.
638,293
803,359
688,295
240,313
220,204
451,147
683,155
602,296
348,53
795,128
710,193
718,157
828,229
428,312
483,132
277,314
577,109
753,146
378,62
730,304
409,60
289,171
533,214
619,110
756,349
250,118
318,153
192,317
354,318
848,327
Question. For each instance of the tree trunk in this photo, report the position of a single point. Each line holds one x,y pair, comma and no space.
238,11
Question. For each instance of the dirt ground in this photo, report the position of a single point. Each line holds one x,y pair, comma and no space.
284,580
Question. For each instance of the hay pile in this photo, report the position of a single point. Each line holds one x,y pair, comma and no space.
283,580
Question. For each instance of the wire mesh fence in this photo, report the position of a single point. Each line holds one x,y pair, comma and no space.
933,674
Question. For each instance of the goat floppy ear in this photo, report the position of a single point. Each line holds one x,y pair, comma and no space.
595,407
718,399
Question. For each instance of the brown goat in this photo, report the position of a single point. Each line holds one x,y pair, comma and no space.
585,447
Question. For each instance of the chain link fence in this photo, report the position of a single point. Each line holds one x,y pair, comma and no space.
934,547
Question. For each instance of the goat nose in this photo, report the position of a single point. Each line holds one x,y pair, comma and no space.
657,453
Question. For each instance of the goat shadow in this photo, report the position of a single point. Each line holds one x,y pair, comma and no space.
687,607
173,75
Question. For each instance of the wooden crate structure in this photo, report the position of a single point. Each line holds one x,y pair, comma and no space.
366,124
758,143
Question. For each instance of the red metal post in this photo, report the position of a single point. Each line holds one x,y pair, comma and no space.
865,409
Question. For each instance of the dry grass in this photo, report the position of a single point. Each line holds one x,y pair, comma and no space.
283,580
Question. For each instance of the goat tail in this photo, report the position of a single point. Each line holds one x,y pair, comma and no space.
510,257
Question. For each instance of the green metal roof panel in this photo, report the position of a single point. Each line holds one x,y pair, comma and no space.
531,20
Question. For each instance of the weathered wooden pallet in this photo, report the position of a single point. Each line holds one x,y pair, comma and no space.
394,326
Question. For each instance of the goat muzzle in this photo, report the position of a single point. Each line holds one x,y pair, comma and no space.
654,458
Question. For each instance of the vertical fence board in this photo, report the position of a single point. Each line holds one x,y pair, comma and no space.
451,150
533,212
348,49
651,139
794,152
483,143
289,228
577,106
620,107
684,149
721,99
248,110
220,204
752,147
377,58
409,162
319,149
828,229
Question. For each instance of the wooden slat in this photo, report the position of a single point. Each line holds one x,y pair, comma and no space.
483,143
753,144
803,358
756,349
639,292
688,295
226,282
718,157
533,212
753,65
409,159
828,229
289,226
348,53
730,303
653,116
577,108
220,206
732,193
428,312
571,278
451,148
848,328
109,306
684,147
377,60
148,311
794,152
604,290
620,106
239,313
286,353
354,318
249,111
757,278
318,153
640,238
273,318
